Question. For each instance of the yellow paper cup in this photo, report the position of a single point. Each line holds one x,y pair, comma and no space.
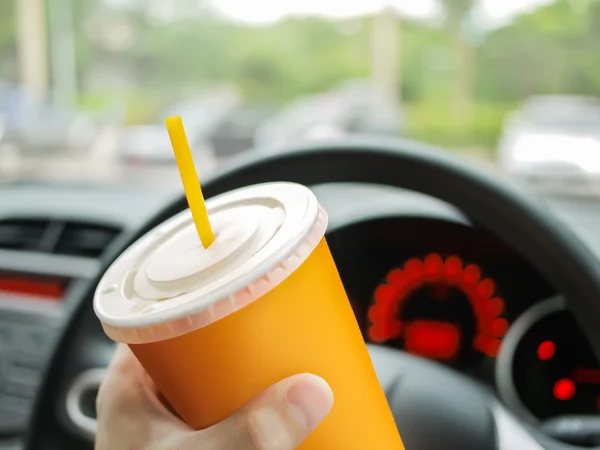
214,328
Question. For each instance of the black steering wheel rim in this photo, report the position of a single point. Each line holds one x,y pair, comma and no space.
489,201
518,220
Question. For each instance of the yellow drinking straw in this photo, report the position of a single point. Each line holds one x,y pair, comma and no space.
189,177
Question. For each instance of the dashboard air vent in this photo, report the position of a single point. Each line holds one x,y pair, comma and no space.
87,240
22,234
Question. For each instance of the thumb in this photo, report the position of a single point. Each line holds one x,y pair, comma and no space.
278,419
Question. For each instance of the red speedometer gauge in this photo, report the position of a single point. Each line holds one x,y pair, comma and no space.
436,340
437,307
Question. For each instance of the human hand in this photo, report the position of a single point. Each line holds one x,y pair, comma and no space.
131,415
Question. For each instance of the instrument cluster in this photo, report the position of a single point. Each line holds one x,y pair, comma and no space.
453,293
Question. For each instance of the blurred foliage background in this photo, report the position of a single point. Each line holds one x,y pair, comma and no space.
456,84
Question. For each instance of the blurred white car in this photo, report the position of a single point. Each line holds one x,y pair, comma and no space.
553,140
354,107
42,129
150,143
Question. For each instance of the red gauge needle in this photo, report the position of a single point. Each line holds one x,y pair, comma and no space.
586,376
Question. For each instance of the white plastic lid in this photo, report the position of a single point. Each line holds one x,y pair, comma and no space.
167,284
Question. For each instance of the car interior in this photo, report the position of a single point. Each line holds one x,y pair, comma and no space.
454,145
461,379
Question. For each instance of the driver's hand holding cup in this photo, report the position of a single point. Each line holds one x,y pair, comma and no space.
132,416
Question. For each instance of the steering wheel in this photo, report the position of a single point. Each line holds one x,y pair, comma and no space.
435,408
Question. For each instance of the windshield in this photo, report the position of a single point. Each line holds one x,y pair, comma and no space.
85,85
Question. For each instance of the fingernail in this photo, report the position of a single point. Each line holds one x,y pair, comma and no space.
310,399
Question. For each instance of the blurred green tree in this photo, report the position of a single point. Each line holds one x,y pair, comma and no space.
463,59
552,50
455,92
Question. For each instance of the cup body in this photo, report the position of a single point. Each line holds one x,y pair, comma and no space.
303,325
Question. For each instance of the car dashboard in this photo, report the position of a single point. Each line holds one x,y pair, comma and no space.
420,276
53,239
